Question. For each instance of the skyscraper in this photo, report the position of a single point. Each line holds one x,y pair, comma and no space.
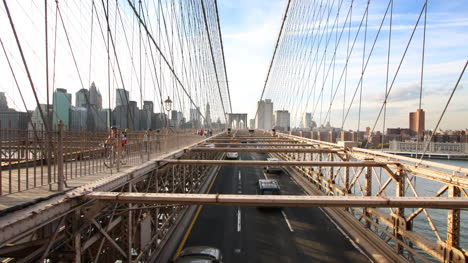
282,120
122,97
264,119
416,122
3,102
146,115
208,116
95,98
62,105
133,116
36,119
82,98
194,115
306,121
78,118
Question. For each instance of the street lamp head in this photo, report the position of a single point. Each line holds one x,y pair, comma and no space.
168,104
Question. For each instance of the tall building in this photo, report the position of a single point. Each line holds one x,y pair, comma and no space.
104,122
82,98
14,120
416,122
207,116
120,117
36,121
122,97
78,118
146,115
61,105
306,120
133,116
95,98
264,118
194,115
282,120
3,102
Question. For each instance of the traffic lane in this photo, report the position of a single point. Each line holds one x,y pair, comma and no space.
264,235
267,237
293,234
314,234
216,226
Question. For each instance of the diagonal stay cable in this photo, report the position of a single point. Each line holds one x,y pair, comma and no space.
222,52
274,52
26,66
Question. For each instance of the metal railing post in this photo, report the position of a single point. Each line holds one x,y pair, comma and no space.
399,217
453,225
49,156
119,149
148,145
368,192
61,181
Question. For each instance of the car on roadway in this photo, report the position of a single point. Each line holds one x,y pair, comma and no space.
268,187
200,254
232,155
272,168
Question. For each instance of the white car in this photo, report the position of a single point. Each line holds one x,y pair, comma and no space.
232,155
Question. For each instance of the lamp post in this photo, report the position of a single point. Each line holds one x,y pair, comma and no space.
168,105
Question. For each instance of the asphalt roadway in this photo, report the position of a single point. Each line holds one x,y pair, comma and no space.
249,234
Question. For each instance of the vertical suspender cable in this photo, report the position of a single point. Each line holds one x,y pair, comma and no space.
108,64
422,75
388,69
224,60
213,60
362,69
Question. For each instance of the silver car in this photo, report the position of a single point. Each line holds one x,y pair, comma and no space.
200,254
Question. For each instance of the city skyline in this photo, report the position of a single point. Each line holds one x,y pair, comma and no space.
249,30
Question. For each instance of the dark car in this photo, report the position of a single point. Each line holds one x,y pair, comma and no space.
272,169
200,254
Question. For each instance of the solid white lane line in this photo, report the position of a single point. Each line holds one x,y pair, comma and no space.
238,219
287,221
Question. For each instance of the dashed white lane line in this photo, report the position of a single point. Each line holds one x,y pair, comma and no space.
287,221
238,219
264,174
239,176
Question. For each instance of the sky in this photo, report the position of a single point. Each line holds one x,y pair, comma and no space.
249,31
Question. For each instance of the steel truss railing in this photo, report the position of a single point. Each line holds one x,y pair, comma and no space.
400,228
86,229
73,229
